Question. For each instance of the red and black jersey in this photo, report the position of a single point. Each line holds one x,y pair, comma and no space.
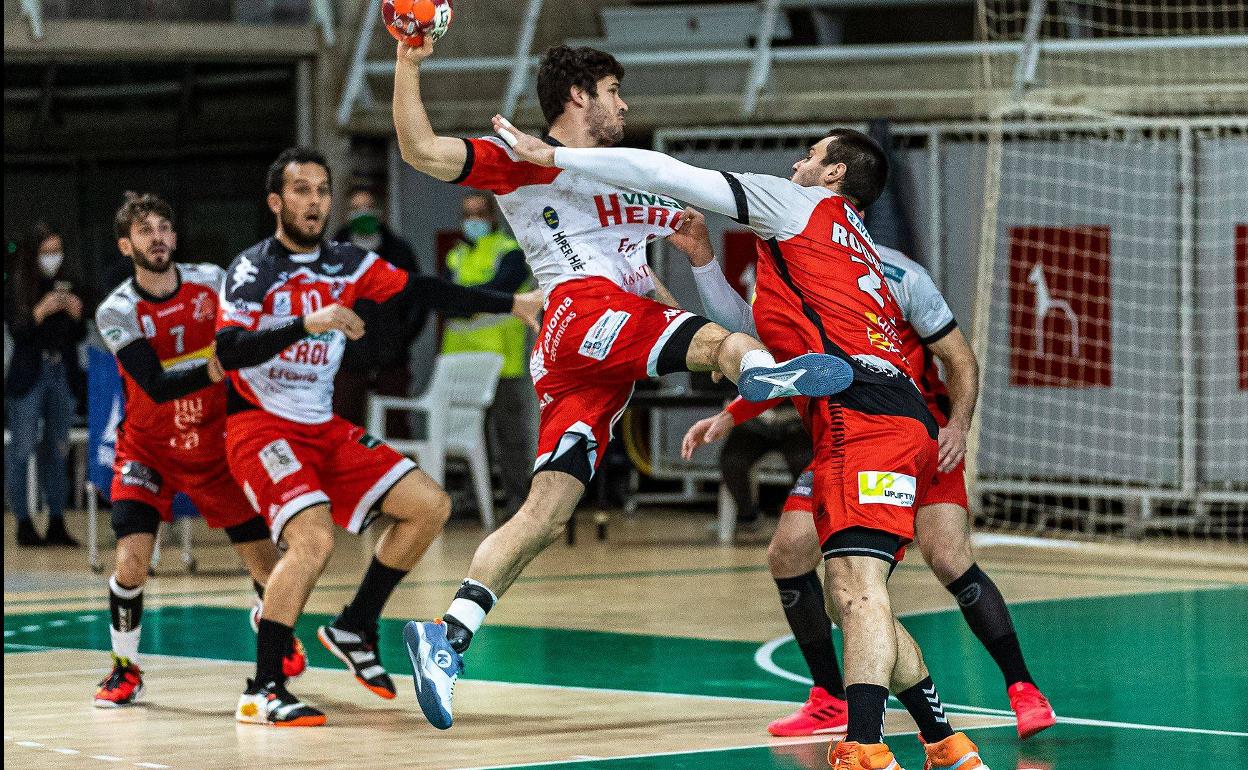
162,345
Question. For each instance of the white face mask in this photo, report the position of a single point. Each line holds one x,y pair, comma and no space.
50,263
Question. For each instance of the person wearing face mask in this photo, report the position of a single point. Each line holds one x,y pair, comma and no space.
490,258
45,317
378,363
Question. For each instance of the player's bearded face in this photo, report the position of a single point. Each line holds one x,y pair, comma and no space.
304,204
152,241
604,115
809,171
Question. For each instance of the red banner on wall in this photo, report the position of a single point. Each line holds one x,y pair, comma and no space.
1060,307
1241,300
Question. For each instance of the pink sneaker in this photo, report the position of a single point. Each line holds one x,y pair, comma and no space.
1031,709
822,713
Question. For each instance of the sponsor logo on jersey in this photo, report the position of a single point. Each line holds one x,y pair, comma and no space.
574,260
113,334
164,311
244,273
188,412
637,209
281,303
886,487
537,365
202,308
149,326
279,460
550,217
602,335
893,272
858,224
672,313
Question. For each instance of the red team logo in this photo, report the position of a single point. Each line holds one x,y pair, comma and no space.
1060,308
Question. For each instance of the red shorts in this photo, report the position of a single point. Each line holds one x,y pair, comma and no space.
596,341
285,467
154,478
869,470
945,488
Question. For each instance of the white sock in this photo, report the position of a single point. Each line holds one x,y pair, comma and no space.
126,643
756,358
468,612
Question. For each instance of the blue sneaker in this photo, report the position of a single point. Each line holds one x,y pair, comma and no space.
814,374
435,667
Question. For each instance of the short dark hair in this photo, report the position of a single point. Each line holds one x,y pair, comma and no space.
275,176
563,67
136,207
865,161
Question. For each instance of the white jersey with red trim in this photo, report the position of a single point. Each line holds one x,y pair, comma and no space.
266,286
572,226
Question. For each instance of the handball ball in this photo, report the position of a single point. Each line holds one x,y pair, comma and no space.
410,20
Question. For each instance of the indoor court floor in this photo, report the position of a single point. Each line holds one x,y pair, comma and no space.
654,649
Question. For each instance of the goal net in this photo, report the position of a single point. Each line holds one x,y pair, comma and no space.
1114,269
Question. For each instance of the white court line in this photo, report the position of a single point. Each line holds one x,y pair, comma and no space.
678,753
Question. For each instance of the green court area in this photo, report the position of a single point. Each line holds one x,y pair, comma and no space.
1147,681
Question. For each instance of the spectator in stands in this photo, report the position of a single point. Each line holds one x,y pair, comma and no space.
778,430
488,257
378,362
45,315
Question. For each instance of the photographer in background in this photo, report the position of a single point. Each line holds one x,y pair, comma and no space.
45,316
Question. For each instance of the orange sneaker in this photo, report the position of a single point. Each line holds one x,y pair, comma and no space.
849,755
954,751
122,686
821,713
1032,710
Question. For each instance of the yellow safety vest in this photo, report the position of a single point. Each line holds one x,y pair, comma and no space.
502,333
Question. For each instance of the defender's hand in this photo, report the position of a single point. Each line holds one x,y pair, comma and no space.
335,318
705,432
693,238
527,146
528,308
952,444
216,372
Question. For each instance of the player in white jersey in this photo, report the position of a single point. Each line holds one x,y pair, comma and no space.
586,242
942,521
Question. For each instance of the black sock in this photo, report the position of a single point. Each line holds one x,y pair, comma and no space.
470,593
127,610
273,641
364,610
923,703
803,603
984,608
866,712
259,588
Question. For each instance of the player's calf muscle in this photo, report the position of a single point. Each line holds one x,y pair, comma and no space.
134,554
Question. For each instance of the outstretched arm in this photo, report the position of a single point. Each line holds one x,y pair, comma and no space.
441,157
635,169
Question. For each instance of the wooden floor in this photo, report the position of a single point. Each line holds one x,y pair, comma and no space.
655,649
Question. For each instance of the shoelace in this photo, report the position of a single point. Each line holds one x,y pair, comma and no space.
115,678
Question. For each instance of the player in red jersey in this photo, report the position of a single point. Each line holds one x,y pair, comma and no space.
160,325
929,334
821,288
284,321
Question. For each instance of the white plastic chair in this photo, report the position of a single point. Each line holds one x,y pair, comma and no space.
454,404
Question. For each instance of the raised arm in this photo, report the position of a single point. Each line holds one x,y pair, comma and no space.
441,157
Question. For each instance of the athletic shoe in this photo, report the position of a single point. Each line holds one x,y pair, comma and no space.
122,686
848,755
272,704
1031,709
435,667
296,661
814,374
821,713
358,650
954,751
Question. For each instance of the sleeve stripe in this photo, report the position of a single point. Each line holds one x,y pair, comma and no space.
941,333
738,192
468,160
